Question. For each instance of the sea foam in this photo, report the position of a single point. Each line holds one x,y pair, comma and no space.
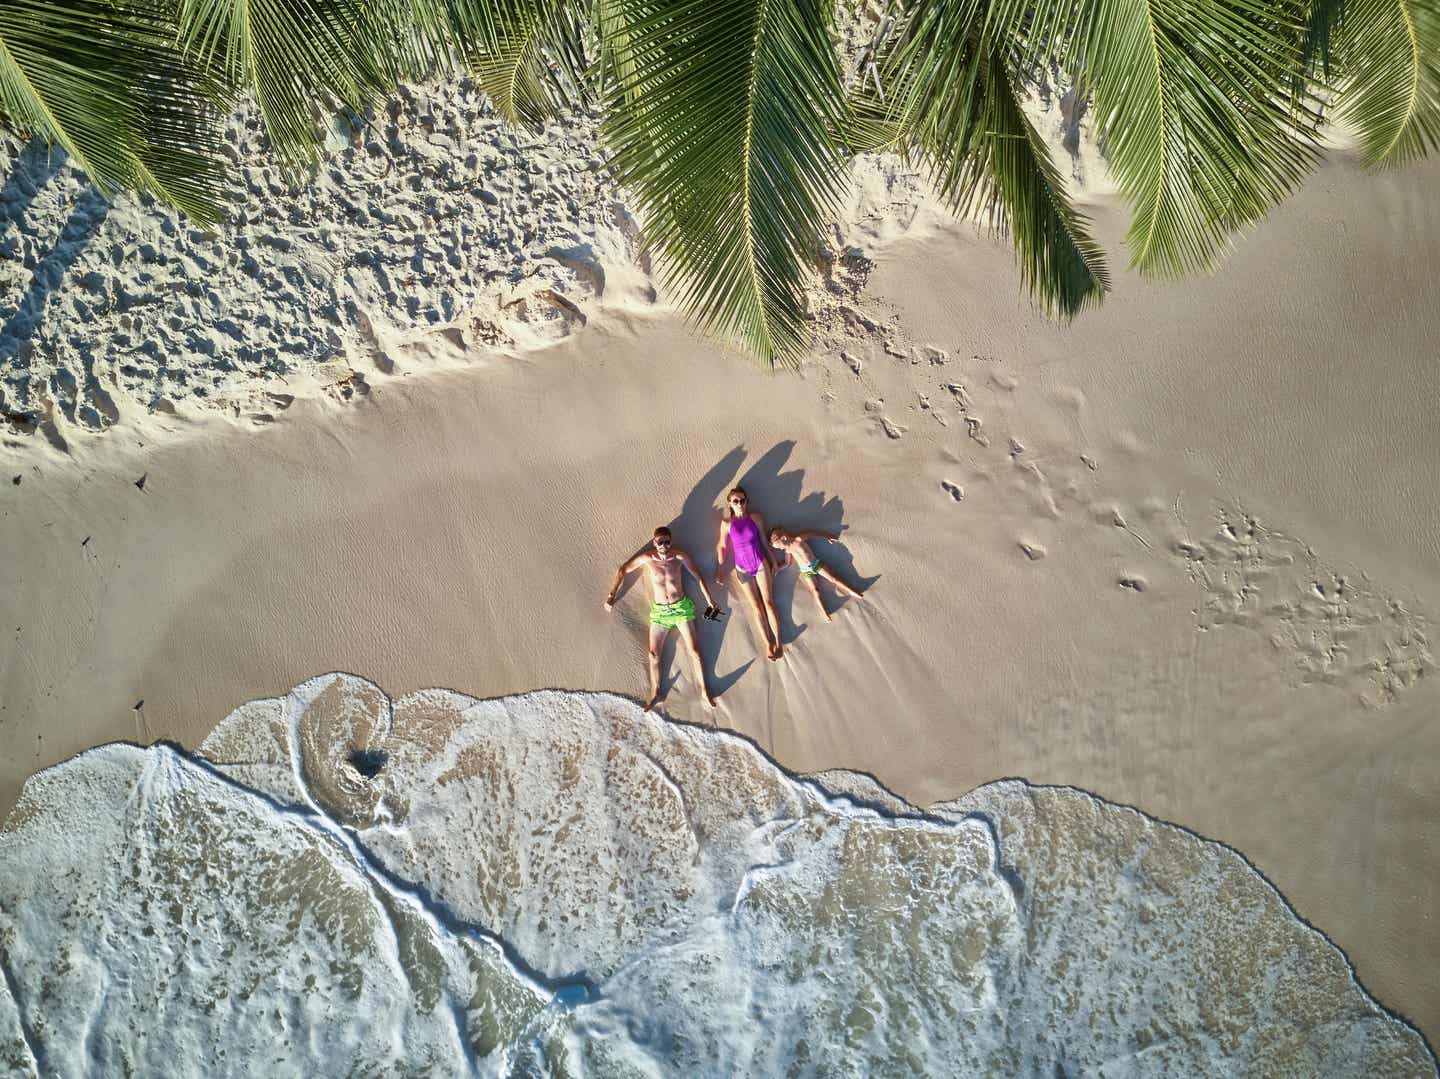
560,884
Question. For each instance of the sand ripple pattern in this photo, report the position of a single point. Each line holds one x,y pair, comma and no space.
430,215
559,884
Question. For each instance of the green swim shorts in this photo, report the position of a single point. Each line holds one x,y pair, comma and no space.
810,570
674,614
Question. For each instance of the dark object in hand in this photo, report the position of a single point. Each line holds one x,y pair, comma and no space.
713,614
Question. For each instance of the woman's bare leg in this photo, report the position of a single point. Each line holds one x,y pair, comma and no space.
815,591
843,588
767,591
752,593
657,645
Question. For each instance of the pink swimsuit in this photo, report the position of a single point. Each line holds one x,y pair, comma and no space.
745,542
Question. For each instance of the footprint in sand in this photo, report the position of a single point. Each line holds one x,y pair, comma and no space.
1033,551
957,391
1135,583
972,428
954,490
893,429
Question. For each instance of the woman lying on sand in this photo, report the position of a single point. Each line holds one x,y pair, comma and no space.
793,548
753,565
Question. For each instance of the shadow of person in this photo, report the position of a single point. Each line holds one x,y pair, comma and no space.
778,495
696,528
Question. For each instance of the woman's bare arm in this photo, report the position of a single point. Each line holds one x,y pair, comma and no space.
766,551
720,550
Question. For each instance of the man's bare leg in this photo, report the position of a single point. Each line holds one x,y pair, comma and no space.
766,578
840,586
752,593
657,645
692,645
815,591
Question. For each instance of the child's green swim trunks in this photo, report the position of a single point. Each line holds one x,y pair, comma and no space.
810,570
674,614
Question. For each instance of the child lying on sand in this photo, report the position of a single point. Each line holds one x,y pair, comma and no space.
793,548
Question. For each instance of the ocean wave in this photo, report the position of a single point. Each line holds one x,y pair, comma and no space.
560,884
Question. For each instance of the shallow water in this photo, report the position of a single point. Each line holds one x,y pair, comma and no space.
560,884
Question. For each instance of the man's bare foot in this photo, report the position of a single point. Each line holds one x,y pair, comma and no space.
776,650
709,701
653,701
828,616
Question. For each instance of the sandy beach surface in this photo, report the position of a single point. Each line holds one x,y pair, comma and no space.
1184,554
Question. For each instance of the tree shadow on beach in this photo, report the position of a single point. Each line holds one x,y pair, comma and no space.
34,168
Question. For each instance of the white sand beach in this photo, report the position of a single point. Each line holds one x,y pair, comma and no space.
1183,554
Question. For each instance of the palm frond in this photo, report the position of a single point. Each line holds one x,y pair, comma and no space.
1390,78
1201,131
299,58
952,94
1322,23
723,129
1061,264
410,41
1207,117
106,83
529,56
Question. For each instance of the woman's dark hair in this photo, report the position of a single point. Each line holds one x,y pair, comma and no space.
730,510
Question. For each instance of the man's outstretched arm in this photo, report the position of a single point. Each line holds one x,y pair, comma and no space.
831,536
625,570
689,563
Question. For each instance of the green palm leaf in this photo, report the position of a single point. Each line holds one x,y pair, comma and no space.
1194,99
295,56
1390,78
1060,262
952,93
529,56
1321,24
105,82
409,40
1204,105
723,129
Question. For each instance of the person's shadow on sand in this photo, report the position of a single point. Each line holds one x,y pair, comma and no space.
695,530
779,496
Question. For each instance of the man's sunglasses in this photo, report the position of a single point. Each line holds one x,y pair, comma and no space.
663,543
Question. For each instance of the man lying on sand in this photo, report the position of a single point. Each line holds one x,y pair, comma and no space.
671,607
793,548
